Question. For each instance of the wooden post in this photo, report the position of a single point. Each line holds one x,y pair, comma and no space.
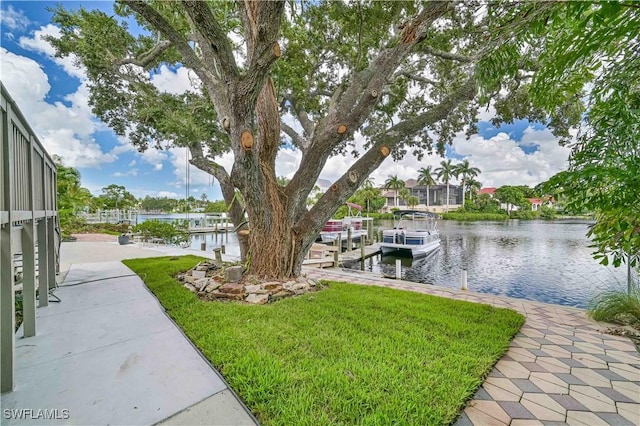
29,279
218,256
363,253
7,294
43,265
370,230
336,258
349,240
223,249
398,269
203,246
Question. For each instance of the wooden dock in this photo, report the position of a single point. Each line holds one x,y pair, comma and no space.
220,229
332,258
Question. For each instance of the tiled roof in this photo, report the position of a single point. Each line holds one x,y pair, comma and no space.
489,190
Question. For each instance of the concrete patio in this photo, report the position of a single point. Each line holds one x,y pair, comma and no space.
108,354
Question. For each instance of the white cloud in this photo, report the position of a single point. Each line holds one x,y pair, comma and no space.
168,194
132,172
14,20
178,82
38,44
64,130
503,162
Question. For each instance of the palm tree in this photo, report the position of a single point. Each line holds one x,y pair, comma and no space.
413,201
464,171
404,194
368,183
425,177
473,186
445,172
395,183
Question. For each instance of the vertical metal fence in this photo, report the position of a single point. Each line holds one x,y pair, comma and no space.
29,229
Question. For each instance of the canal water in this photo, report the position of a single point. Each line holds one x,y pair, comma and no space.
211,240
546,261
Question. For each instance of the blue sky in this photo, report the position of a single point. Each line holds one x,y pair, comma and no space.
53,95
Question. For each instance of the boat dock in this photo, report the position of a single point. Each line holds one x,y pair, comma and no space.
330,257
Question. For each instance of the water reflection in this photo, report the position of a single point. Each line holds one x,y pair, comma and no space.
536,260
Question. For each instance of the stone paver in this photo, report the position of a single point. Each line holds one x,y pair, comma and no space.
560,369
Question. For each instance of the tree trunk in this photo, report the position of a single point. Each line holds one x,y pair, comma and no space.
447,205
427,197
463,193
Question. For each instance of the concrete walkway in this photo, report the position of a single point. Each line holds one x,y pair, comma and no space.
108,354
560,368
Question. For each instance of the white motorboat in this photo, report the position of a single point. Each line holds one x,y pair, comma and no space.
414,232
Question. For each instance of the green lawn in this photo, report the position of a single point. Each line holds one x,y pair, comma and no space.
349,354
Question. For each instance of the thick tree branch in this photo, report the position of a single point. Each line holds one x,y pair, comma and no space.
156,20
228,190
367,163
298,140
302,115
215,39
351,106
149,57
447,55
262,24
414,77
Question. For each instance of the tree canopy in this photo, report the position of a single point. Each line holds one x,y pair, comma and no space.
593,51
405,76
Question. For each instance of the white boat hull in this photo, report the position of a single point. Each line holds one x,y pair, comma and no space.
415,250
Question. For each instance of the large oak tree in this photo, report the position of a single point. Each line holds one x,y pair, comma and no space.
407,76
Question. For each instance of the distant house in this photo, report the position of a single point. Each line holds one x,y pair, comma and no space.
488,190
538,203
437,196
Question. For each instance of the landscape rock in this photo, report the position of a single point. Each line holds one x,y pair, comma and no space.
281,294
259,299
274,289
198,274
256,288
191,287
289,285
271,285
189,279
229,296
233,274
252,288
201,283
213,285
300,286
232,288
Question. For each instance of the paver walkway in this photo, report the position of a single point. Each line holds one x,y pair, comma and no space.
560,368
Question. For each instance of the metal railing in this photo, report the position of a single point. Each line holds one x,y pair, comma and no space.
28,229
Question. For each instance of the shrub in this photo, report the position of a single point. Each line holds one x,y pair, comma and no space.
618,306
467,216
168,232
525,214
547,213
